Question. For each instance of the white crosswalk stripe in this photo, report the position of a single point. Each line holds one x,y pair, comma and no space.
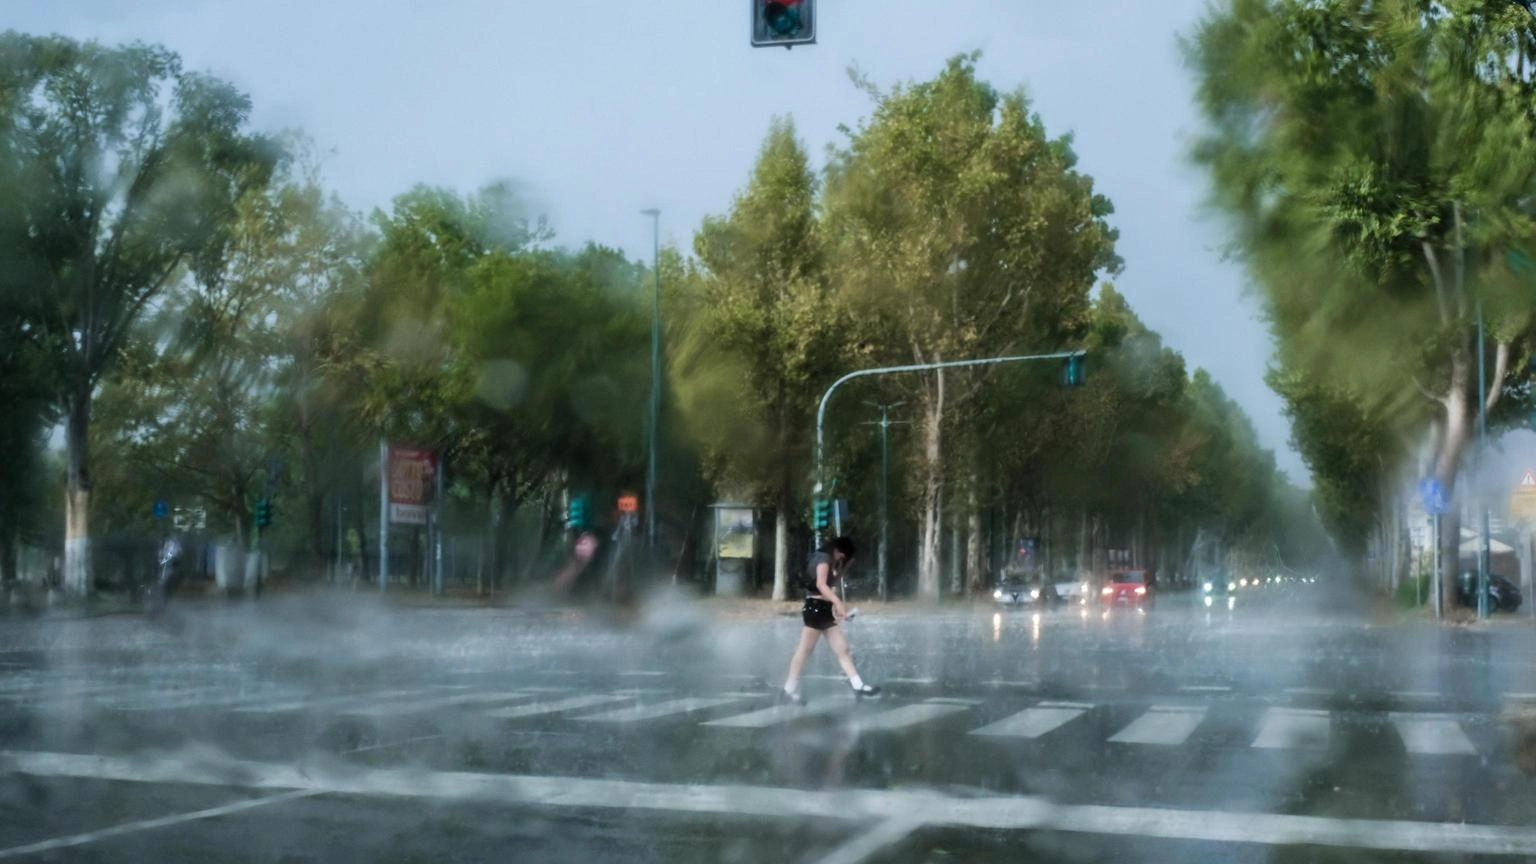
1166,726
779,714
907,716
572,703
1036,721
417,706
343,701
1292,729
637,713
1433,734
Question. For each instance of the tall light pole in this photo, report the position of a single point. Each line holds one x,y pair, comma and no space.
885,425
1482,443
655,424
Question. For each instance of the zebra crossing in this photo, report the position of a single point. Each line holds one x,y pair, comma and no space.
1152,727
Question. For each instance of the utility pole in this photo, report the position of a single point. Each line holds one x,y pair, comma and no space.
1482,443
885,425
655,424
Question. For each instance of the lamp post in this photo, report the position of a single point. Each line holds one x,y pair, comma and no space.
654,428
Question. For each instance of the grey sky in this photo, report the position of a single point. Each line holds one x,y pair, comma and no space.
602,109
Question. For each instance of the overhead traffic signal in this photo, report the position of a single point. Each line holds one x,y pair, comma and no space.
1074,373
263,513
783,22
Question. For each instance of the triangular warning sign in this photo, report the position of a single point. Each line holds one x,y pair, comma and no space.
1528,481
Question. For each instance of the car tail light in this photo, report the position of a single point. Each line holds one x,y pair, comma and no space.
1140,590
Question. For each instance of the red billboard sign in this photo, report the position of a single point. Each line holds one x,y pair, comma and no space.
412,473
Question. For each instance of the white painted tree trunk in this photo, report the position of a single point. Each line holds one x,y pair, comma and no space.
933,489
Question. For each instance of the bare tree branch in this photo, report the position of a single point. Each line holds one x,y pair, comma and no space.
1500,369
1426,392
1434,270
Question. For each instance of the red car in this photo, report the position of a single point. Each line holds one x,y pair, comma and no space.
1127,588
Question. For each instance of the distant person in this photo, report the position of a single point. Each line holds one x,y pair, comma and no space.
823,610
581,556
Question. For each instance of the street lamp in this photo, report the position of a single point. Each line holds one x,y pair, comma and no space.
655,427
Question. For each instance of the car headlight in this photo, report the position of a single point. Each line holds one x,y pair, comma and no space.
1231,586
1085,587
998,594
1243,581
1107,591
1035,594
1207,587
1208,602
1140,590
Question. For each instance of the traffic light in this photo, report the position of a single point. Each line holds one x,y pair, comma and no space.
783,22
1074,372
263,513
576,513
821,514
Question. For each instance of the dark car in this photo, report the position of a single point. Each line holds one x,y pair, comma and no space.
1503,594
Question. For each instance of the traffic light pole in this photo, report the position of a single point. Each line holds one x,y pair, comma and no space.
821,410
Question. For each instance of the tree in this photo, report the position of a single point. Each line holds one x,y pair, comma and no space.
960,230
769,315
1377,160
123,170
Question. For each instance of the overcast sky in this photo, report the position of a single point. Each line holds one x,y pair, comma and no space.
602,108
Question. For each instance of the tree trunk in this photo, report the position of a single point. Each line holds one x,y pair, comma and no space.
956,554
781,552
973,565
1458,430
8,558
933,488
77,496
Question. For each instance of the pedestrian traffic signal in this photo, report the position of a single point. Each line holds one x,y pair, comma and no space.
263,513
783,22
821,514
576,513
1074,372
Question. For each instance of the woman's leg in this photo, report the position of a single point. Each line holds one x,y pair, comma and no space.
839,645
808,637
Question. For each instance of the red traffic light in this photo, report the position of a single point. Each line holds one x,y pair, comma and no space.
783,22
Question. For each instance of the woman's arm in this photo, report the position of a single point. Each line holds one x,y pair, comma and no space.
823,572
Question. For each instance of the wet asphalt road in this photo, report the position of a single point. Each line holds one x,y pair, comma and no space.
1290,727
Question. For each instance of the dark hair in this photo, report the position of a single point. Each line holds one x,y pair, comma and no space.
844,545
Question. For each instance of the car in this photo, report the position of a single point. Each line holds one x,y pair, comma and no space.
1015,592
1503,594
1127,588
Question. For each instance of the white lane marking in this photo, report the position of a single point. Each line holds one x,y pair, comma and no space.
924,681
1433,734
574,703
864,847
1521,697
1415,694
217,699
346,701
151,824
642,673
1167,726
1292,728
778,714
1308,691
637,713
950,700
825,677
417,706
917,808
1036,721
905,716
1205,688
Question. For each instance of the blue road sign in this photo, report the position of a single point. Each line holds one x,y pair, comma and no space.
1432,496
161,509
